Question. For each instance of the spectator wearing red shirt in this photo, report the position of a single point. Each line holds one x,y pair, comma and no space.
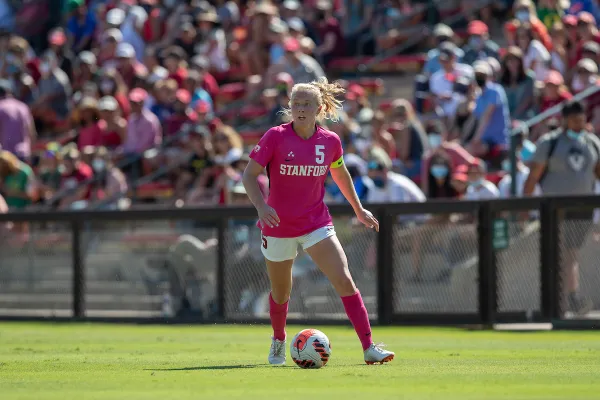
127,65
555,91
182,113
89,126
75,173
111,84
587,31
174,61
113,125
525,13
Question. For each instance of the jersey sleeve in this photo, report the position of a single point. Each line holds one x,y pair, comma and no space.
542,149
264,150
338,154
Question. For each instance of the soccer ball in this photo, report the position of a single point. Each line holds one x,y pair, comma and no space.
310,349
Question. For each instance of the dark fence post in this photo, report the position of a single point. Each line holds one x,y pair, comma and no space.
550,263
488,282
78,271
221,238
385,275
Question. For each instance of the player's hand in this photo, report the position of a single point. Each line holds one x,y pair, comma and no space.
268,216
367,219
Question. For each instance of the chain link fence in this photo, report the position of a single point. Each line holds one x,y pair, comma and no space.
579,247
35,271
149,269
435,264
518,267
247,286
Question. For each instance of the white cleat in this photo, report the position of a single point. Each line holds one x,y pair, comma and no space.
376,354
277,352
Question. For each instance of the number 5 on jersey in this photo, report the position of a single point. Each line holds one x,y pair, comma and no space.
320,154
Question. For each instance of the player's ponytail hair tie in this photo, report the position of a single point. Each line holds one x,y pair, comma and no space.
327,97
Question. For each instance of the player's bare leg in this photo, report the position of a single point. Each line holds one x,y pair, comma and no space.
280,275
329,256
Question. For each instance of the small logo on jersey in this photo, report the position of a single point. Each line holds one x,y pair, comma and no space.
576,160
340,162
256,149
290,156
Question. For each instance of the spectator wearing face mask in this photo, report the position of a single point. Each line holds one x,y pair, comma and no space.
111,184
567,162
439,177
479,45
525,14
113,125
390,187
479,187
524,157
492,114
74,173
587,31
440,145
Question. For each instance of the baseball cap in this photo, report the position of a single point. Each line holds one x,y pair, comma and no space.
57,37
296,24
482,67
447,50
108,103
116,16
293,5
87,57
569,20
477,28
586,18
442,30
138,95
554,78
588,65
202,107
183,96
291,44
278,26
591,47
113,33
125,50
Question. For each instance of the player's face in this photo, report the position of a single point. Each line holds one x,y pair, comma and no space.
304,107
577,122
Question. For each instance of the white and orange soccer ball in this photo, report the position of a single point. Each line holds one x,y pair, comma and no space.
310,348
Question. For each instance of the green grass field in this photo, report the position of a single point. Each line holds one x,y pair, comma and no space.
93,361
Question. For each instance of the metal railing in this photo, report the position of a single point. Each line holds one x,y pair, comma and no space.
439,262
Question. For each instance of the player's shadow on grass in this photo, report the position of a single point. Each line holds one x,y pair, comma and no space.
218,367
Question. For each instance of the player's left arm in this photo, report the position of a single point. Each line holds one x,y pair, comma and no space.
342,178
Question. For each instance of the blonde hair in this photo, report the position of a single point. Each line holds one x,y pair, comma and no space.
326,94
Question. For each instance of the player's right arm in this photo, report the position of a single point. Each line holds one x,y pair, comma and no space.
538,166
259,159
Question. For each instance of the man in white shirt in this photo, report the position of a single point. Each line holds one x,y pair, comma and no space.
442,82
390,187
479,187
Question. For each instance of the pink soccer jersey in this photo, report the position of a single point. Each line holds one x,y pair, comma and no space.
297,169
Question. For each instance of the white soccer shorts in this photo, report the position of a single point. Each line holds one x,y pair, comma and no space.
282,249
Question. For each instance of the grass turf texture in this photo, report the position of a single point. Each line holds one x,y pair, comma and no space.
93,361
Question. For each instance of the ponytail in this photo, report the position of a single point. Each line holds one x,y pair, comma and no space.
326,94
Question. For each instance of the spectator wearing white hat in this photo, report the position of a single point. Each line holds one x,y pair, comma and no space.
114,126
126,63
109,41
442,33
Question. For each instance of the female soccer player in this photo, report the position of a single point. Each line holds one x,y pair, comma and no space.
298,157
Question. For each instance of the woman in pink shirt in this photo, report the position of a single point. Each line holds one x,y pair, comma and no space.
298,157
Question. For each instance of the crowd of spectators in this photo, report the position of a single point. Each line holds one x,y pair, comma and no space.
120,91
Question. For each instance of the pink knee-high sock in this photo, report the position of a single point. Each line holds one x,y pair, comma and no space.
278,313
357,313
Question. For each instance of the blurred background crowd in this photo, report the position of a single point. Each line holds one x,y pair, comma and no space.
106,103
